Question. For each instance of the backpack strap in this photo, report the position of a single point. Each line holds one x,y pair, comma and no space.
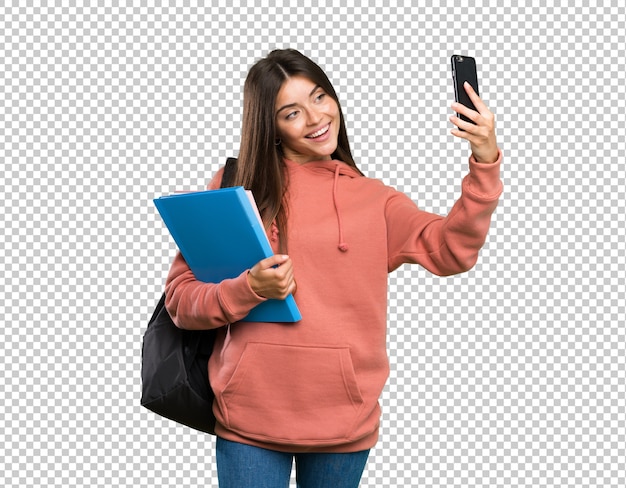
229,172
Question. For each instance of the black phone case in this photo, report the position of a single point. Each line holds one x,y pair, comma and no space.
464,69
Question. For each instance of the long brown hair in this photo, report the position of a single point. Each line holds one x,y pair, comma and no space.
261,166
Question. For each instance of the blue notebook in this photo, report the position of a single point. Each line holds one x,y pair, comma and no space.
219,234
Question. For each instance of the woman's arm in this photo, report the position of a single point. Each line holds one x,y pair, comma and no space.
449,245
193,304
481,135
444,245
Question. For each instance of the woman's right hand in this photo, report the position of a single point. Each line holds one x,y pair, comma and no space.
273,277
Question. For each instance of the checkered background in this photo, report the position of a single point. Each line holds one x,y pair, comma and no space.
510,375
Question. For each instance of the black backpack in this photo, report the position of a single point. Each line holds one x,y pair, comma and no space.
174,363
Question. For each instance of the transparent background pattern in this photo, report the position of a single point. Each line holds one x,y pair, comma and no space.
510,375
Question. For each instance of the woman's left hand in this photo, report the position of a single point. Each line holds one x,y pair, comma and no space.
482,134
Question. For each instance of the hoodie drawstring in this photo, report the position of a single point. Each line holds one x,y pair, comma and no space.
343,246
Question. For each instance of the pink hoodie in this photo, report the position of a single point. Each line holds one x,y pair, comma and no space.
314,385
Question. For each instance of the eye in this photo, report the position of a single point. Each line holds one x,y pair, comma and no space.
320,97
291,115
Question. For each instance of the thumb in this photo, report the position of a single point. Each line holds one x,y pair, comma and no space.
273,261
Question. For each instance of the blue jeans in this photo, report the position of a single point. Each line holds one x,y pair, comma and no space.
243,466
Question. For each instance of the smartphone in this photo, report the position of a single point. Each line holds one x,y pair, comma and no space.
464,69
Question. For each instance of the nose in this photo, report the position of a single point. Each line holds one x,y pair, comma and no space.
313,116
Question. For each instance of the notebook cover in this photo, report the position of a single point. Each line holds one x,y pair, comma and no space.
220,236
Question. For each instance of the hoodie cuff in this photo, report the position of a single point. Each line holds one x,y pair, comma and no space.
483,180
237,297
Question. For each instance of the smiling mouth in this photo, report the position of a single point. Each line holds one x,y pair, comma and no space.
319,133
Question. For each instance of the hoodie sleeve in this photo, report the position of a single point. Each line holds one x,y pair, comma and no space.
445,245
193,304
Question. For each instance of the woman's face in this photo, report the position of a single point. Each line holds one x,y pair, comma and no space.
307,121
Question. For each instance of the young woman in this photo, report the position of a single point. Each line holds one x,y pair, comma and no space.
310,390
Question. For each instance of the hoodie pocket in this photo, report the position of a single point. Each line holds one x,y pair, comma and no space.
293,394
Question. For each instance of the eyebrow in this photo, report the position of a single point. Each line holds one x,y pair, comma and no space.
289,105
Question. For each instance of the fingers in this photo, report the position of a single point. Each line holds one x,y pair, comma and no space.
481,134
273,277
480,119
275,260
481,116
464,126
476,100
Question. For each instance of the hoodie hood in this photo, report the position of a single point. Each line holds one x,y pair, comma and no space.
334,169
327,166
